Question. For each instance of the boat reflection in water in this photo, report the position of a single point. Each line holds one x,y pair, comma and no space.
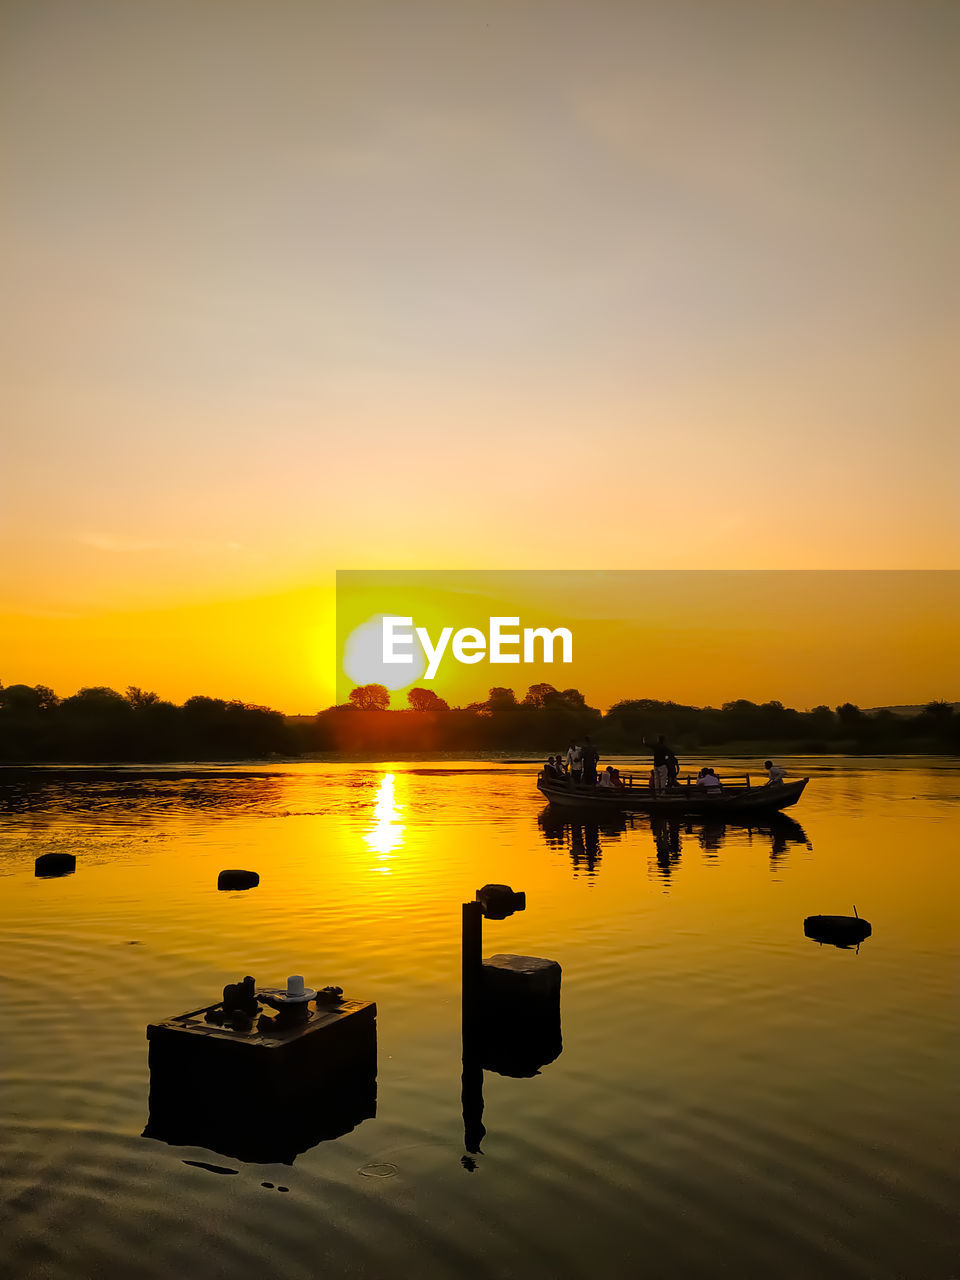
584,835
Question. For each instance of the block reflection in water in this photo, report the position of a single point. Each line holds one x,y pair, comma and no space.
516,1045
511,1025
519,1014
262,1090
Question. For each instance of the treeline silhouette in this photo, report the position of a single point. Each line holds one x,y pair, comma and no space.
100,724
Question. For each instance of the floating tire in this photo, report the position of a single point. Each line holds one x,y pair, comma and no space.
238,879
839,931
55,864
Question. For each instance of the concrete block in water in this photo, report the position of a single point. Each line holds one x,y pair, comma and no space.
519,1014
55,864
262,1088
515,979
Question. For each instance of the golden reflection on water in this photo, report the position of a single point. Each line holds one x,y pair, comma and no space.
386,834
716,1062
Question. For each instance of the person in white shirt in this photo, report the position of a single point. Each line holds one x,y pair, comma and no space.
708,779
774,773
574,762
608,779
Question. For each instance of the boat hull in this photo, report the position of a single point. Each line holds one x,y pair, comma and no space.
681,800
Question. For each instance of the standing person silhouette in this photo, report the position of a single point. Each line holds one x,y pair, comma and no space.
590,758
661,757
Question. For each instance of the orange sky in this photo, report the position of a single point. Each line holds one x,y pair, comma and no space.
303,286
804,638
705,637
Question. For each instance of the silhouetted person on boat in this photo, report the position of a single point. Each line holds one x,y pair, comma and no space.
774,773
709,781
590,757
661,756
610,779
574,762
550,770
673,769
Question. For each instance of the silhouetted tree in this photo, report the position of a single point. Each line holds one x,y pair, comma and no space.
96,700
20,699
199,705
139,699
426,700
573,697
938,712
370,697
499,698
850,715
539,695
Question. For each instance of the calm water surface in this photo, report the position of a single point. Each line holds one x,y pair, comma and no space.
731,1099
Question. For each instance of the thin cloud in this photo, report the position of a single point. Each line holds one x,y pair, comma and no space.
112,543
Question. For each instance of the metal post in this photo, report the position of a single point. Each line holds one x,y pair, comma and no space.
472,948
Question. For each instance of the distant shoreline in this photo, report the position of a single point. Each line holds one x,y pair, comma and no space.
735,752
99,724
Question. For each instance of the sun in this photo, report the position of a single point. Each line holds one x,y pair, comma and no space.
363,658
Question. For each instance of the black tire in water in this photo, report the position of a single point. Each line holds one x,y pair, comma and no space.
236,879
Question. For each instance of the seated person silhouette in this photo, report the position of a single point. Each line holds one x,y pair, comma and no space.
774,773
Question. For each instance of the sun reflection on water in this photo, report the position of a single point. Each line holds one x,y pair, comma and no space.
386,834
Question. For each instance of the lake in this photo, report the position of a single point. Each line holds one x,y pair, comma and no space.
731,1099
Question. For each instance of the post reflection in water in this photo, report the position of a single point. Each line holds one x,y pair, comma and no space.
509,1043
386,834
512,1029
581,835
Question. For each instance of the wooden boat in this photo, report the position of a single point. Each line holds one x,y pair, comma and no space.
636,795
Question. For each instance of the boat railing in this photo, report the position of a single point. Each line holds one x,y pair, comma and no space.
629,780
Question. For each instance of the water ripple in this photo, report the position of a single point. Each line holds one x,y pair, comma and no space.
730,1100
